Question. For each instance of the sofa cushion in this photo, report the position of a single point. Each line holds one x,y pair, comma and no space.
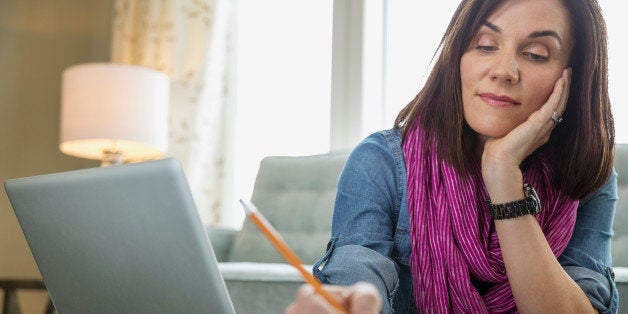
296,195
620,225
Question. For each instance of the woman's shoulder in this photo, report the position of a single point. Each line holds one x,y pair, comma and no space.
607,191
377,153
385,143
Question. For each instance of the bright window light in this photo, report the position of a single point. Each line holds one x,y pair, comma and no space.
283,84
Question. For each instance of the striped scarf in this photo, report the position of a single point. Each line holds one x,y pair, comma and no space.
453,237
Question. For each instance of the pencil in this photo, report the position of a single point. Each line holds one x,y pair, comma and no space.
283,248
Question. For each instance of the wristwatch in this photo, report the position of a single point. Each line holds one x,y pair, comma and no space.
530,205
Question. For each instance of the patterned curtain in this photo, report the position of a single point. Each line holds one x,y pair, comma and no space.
188,40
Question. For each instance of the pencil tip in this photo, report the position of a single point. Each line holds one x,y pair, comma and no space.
247,207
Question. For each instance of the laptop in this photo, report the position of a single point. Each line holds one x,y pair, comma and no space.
120,239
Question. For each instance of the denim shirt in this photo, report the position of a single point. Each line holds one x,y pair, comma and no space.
370,238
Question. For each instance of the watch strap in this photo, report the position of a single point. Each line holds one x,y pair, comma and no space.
530,205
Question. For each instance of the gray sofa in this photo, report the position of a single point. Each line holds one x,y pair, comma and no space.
296,195
620,226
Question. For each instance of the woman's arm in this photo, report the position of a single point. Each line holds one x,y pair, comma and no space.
587,258
538,281
539,284
362,226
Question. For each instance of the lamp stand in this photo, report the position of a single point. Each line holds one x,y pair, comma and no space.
111,158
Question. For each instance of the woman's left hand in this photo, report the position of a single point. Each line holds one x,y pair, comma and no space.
530,135
502,156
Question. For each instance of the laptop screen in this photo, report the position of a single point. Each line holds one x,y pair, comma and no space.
120,239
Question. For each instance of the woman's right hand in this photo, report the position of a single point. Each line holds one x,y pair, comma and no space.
360,298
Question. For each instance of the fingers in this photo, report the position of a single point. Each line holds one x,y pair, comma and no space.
562,104
557,102
360,298
308,301
554,107
364,299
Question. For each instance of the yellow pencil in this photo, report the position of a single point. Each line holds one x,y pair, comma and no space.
283,248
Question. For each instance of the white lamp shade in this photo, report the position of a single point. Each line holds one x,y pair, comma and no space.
108,107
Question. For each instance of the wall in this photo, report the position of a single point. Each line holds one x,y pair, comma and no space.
38,39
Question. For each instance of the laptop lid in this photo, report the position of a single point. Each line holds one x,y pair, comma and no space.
120,239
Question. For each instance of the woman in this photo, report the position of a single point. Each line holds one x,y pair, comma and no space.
495,190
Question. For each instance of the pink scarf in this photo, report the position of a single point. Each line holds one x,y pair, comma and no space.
453,236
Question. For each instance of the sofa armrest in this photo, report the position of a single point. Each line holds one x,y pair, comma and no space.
621,275
266,272
621,280
221,240
261,287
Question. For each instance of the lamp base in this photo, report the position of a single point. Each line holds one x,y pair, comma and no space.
111,158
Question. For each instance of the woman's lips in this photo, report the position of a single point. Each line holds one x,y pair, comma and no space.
498,100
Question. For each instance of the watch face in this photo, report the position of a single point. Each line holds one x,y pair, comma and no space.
530,193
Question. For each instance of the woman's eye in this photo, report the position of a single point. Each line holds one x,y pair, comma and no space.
535,57
486,48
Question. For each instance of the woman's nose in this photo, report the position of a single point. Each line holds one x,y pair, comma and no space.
505,69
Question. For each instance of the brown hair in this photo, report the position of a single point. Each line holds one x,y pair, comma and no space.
587,131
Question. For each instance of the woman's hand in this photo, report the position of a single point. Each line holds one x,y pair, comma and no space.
502,156
360,298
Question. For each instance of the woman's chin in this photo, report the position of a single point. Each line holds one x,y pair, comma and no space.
492,132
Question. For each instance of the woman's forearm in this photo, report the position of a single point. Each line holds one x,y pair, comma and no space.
538,282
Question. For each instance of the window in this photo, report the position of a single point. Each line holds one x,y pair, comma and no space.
413,34
283,82
617,66
284,74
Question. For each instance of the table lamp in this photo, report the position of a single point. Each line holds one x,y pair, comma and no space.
114,113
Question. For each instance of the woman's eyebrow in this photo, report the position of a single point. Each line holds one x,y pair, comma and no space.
537,34
546,33
493,27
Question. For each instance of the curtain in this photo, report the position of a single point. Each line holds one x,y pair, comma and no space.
188,40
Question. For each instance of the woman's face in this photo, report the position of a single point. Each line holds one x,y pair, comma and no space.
512,63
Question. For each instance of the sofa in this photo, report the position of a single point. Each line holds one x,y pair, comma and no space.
619,242
296,194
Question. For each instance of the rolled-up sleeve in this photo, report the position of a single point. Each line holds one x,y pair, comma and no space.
350,264
587,258
363,223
